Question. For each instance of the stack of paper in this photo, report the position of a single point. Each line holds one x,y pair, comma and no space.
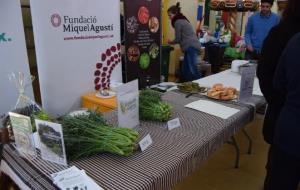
213,108
73,178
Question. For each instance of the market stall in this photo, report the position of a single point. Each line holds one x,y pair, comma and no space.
186,129
172,156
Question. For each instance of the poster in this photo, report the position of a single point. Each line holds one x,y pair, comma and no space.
143,40
78,49
23,135
51,141
13,54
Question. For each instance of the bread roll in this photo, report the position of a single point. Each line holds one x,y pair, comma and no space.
232,89
230,92
224,92
214,94
227,97
217,86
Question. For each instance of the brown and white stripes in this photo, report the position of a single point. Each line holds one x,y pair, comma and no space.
172,156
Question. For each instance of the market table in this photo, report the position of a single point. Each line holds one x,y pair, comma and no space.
233,79
173,155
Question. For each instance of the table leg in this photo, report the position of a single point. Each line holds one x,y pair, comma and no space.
4,181
237,150
249,139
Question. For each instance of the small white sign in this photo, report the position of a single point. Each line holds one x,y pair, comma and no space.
174,123
145,142
22,129
247,81
128,104
73,178
51,141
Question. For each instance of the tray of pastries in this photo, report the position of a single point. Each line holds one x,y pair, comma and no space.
220,92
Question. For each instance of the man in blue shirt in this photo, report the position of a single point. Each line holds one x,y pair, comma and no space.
258,27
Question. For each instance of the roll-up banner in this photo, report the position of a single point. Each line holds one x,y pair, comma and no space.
78,49
143,40
13,54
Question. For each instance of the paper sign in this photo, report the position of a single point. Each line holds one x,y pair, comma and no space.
247,81
51,141
22,129
213,108
145,142
128,104
174,123
65,172
73,178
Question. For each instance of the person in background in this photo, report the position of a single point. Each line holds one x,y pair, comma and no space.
271,51
284,171
185,36
258,27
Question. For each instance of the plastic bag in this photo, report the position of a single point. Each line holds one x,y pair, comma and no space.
24,105
234,53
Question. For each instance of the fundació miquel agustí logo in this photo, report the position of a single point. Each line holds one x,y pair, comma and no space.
55,20
79,24
4,38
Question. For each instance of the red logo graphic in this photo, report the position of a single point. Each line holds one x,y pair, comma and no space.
55,20
109,59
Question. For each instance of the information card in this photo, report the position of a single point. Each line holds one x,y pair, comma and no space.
128,104
247,81
145,142
22,130
51,141
74,178
174,123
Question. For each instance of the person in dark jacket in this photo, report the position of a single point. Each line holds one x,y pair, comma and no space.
284,170
272,48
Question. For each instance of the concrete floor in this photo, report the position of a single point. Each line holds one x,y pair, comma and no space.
218,172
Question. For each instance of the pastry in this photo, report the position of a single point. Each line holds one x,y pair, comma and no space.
227,97
218,91
218,86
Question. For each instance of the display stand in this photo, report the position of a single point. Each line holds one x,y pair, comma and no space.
91,101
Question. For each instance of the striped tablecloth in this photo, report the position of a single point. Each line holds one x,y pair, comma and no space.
172,156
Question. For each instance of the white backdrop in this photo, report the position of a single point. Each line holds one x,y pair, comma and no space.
72,56
13,54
